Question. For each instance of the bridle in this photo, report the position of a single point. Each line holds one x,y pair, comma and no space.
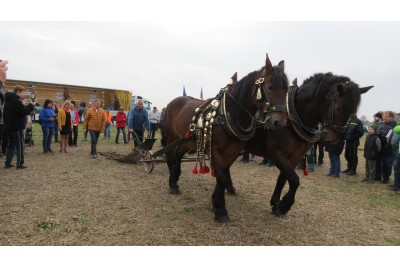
331,116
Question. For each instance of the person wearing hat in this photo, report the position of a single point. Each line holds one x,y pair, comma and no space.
377,118
108,115
372,148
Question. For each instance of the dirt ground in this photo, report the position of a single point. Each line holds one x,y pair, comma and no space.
72,199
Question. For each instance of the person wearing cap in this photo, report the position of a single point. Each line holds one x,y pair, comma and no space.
372,147
154,118
108,116
385,133
354,132
377,118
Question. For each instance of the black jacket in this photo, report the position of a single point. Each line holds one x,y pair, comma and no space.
355,130
15,112
371,147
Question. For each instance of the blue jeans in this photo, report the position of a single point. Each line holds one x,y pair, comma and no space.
335,164
47,136
94,136
107,132
123,133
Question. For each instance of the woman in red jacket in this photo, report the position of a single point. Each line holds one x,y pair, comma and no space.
121,124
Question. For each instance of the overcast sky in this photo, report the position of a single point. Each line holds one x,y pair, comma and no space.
156,59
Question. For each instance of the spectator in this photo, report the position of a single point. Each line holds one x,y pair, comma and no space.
377,118
3,71
334,152
372,147
95,122
108,117
138,119
353,134
154,118
121,124
85,133
47,118
396,163
65,125
82,107
15,113
75,123
3,137
55,130
319,157
385,133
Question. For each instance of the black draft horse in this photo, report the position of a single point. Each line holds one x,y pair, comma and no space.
241,105
324,100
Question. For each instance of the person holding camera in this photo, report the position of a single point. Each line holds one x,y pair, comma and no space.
15,113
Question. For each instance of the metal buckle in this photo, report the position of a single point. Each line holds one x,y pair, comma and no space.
192,127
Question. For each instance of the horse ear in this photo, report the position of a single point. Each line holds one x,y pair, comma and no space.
295,82
281,65
234,77
268,66
365,89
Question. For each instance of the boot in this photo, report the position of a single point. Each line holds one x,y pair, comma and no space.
352,171
346,171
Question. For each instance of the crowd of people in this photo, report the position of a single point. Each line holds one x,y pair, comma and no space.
62,123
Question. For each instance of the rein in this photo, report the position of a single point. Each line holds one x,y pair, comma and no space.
308,134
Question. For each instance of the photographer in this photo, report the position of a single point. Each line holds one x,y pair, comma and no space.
15,113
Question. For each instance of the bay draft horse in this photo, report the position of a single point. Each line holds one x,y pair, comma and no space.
321,107
240,106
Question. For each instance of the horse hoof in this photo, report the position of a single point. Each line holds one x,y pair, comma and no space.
175,191
232,192
276,211
221,219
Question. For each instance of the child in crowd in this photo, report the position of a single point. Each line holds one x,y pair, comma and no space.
372,147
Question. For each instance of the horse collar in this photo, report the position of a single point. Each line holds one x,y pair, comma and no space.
308,134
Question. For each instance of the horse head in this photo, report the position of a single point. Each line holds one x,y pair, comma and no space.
341,101
270,95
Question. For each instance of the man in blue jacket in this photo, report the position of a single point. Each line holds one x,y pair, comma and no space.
138,119
354,132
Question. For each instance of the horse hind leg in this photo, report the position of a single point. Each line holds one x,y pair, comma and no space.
231,190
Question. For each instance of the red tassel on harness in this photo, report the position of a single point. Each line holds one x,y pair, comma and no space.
202,170
187,135
194,171
212,173
306,173
206,169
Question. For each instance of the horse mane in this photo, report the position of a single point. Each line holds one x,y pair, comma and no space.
322,81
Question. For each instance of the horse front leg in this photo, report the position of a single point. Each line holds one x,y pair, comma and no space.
288,200
218,197
174,167
276,196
